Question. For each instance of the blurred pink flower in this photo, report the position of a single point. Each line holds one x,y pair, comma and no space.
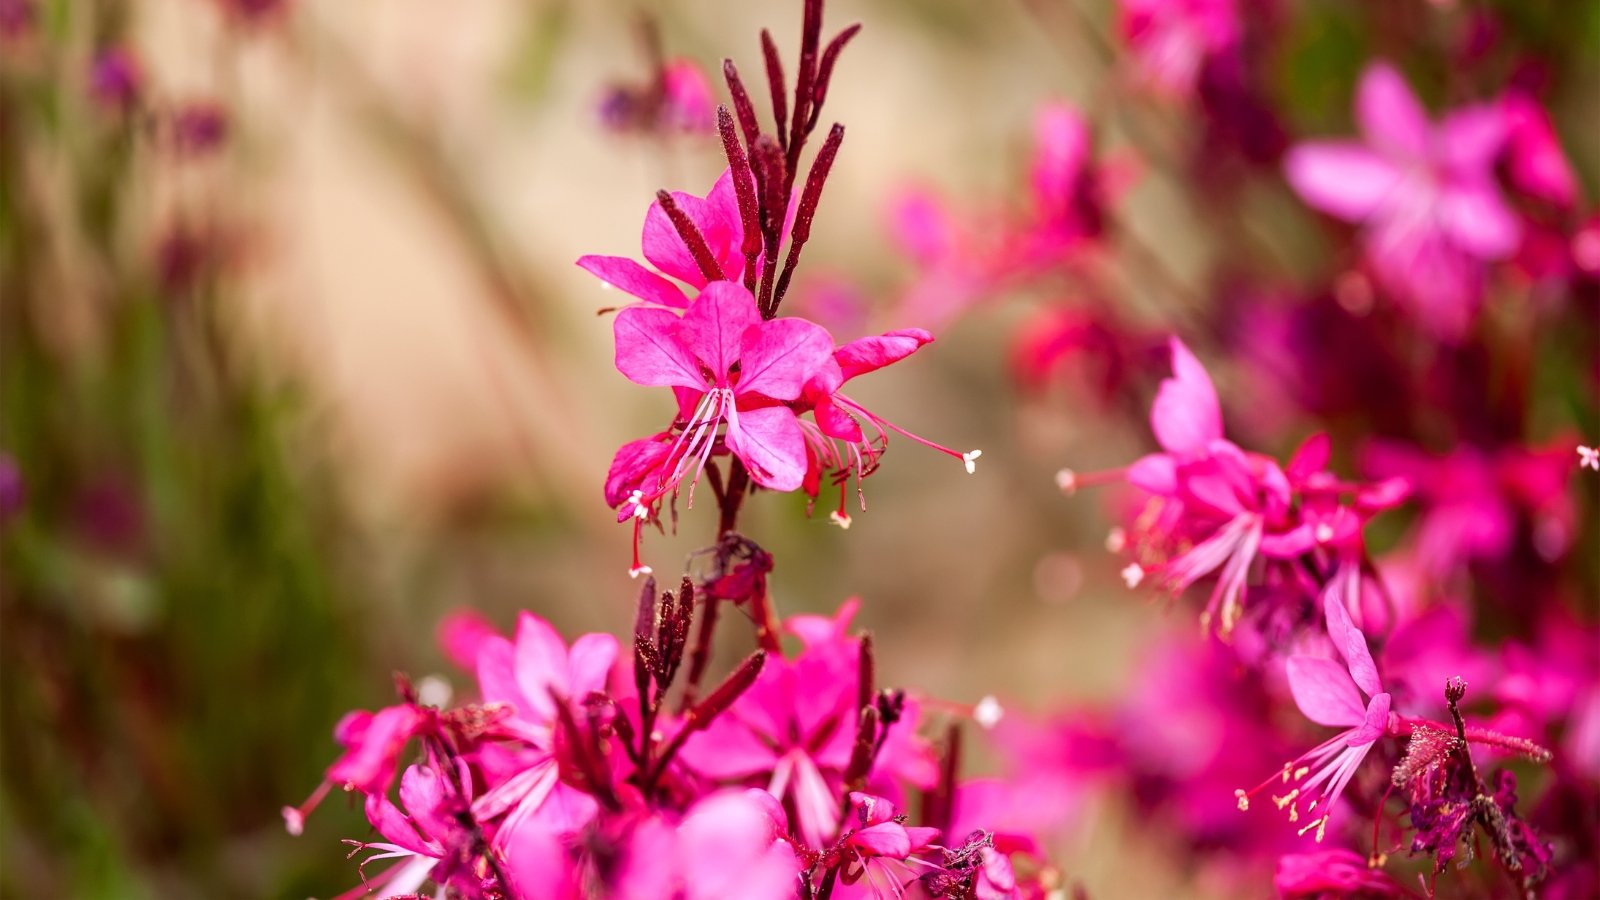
1172,40
1330,874
1424,194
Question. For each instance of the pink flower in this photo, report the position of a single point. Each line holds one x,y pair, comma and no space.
716,217
1330,694
1172,40
1535,162
878,854
728,367
1424,194
794,728
524,676
373,743
730,845
428,834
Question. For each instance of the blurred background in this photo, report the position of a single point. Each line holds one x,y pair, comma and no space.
294,359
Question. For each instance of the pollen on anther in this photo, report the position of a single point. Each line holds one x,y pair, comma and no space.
839,519
1244,799
1132,575
293,821
970,459
1067,481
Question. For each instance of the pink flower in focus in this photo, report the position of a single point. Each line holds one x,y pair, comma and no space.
878,853
729,368
1172,40
1330,694
1424,194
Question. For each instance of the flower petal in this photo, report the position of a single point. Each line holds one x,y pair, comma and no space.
1341,178
589,663
1324,692
541,666
1346,637
1476,217
780,356
713,328
770,443
1389,114
665,249
1186,415
1156,473
629,277
649,351
1373,724
869,354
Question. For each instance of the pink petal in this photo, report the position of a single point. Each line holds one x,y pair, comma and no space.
1389,114
631,278
1341,178
771,444
728,749
1311,457
919,225
1476,217
1471,137
1324,692
725,231
1373,724
869,354
462,633
888,839
1349,641
780,356
632,464
649,351
422,793
1060,154
497,673
392,824
835,422
589,663
1156,473
1186,415
662,246
541,665
816,804
713,328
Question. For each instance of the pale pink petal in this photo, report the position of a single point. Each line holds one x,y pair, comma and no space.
392,824
1389,114
541,665
631,278
816,804
1341,178
1476,217
713,328
589,662
1373,724
1310,458
649,351
1348,639
1324,692
888,839
780,356
869,354
422,793
1186,415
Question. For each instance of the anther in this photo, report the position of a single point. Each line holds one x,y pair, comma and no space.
1067,481
1244,799
840,519
988,712
970,458
1132,575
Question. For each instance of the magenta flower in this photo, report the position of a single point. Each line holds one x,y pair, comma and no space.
373,743
1329,693
1172,40
1535,162
1424,194
793,730
427,835
715,216
526,677
878,854
729,368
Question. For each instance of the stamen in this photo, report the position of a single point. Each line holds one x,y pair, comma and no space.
636,571
970,458
840,518
294,817
1067,482
1244,799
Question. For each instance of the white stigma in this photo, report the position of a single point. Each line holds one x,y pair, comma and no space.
839,519
1067,481
293,821
641,570
1324,533
1132,575
1589,458
433,691
970,459
988,712
1116,539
